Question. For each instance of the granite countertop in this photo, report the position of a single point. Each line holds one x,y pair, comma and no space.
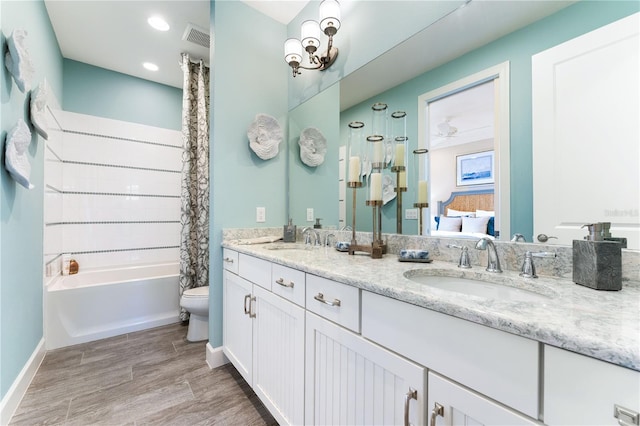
601,324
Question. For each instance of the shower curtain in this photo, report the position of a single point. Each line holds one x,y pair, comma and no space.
194,213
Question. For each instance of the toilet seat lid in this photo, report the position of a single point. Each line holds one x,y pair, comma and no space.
197,292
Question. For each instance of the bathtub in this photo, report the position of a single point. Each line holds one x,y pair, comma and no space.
103,303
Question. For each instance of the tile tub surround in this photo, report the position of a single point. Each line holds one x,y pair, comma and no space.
599,324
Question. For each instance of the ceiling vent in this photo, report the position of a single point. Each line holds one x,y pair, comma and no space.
196,35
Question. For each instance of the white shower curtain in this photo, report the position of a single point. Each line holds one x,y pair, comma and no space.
194,217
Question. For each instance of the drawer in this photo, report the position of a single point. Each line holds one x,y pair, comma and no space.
497,364
288,283
334,301
256,270
230,260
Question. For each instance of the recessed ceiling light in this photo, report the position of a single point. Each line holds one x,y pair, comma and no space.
150,66
158,23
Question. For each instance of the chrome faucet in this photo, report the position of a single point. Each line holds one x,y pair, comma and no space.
326,239
493,262
528,268
464,261
306,233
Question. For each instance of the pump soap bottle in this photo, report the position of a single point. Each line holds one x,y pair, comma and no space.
289,233
597,260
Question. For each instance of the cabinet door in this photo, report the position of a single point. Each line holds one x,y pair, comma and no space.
278,361
461,406
351,381
579,390
237,323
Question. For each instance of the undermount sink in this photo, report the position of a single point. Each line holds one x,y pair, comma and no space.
475,287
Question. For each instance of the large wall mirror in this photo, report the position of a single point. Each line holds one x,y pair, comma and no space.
468,32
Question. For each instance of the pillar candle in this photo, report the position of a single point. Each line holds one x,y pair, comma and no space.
354,169
402,179
376,187
399,160
422,192
377,152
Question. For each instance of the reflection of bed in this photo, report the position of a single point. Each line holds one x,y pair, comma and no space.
466,201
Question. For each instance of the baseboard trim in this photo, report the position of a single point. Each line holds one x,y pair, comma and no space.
20,385
215,356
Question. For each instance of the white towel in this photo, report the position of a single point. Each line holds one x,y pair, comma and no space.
16,160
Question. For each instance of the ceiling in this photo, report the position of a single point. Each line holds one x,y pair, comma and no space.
114,34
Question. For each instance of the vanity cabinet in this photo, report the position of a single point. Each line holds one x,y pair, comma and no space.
452,404
499,365
576,394
352,381
264,339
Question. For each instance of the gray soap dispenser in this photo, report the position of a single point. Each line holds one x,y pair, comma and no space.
289,232
597,259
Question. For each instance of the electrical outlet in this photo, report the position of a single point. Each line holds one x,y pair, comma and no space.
261,214
309,215
411,214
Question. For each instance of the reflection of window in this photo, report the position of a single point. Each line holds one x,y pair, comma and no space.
474,169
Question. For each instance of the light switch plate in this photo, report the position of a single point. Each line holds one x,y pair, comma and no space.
261,214
309,215
411,214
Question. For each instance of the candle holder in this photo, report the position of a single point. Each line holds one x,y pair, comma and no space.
420,206
399,151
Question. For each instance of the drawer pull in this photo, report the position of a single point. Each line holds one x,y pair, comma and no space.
247,310
228,260
438,410
412,394
283,284
625,416
320,298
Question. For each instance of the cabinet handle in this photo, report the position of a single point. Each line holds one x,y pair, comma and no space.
320,298
252,313
438,410
412,394
228,260
283,284
625,416
247,311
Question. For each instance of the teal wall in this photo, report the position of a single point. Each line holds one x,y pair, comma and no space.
517,48
305,191
21,210
249,77
96,91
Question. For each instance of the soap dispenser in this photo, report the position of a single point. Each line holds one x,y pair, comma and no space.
597,259
289,233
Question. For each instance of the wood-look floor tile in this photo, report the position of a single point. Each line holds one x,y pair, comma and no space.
149,377
121,408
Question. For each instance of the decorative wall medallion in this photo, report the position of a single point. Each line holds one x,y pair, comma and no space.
16,160
313,147
17,60
38,106
265,135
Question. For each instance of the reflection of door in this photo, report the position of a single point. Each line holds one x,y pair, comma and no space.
446,139
586,133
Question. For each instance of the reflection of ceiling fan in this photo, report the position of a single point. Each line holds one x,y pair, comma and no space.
446,130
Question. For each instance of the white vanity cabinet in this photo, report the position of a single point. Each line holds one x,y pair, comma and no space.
264,339
352,381
452,404
499,365
579,390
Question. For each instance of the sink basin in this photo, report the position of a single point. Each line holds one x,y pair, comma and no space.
474,287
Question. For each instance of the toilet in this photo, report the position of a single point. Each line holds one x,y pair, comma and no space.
196,302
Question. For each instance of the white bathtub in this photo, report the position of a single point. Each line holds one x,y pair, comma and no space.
97,304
